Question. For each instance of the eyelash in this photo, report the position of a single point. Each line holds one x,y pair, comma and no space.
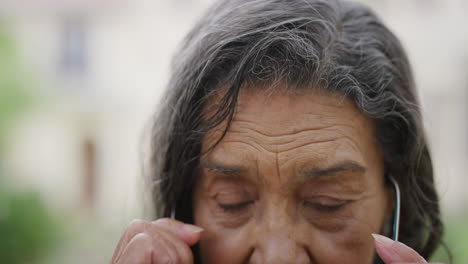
317,206
323,208
235,207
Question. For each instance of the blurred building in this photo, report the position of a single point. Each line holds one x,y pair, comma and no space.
103,65
435,36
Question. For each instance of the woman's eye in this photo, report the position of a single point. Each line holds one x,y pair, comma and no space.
326,207
235,207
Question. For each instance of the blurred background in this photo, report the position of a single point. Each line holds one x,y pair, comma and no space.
80,79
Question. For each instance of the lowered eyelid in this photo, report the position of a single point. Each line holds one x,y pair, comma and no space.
232,195
333,186
228,186
325,200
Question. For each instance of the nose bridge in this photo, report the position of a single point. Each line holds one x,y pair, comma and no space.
278,213
278,220
278,239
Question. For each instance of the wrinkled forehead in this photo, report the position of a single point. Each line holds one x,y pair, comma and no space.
296,137
282,112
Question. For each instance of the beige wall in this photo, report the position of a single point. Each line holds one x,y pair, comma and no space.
129,46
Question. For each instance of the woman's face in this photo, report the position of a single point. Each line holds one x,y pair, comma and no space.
297,179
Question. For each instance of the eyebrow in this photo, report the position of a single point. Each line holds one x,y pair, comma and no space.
344,166
224,169
315,172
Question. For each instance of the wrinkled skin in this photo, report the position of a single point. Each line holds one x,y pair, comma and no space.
297,179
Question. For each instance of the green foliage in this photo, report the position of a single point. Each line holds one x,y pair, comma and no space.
14,96
28,231
456,239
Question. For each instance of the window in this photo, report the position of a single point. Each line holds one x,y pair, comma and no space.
73,57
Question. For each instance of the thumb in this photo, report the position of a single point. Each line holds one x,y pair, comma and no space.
392,252
188,233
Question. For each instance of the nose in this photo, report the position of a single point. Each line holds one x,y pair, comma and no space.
276,250
278,240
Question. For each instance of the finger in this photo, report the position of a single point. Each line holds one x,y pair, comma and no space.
392,252
135,227
177,249
138,251
179,235
190,234
163,252
166,248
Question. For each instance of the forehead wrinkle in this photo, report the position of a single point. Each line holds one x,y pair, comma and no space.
263,130
351,141
277,166
283,143
260,147
291,104
244,126
267,133
250,144
292,132
229,161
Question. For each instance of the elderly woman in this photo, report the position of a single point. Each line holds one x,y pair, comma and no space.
285,132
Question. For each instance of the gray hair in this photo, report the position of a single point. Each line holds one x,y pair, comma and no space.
332,45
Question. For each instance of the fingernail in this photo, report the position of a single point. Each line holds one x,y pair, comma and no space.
384,247
384,241
192,228
395,252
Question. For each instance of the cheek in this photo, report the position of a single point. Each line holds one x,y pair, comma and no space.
225,246
354,242
351,246
220,243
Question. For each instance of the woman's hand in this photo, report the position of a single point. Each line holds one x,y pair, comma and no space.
162,241
392,252
168,241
